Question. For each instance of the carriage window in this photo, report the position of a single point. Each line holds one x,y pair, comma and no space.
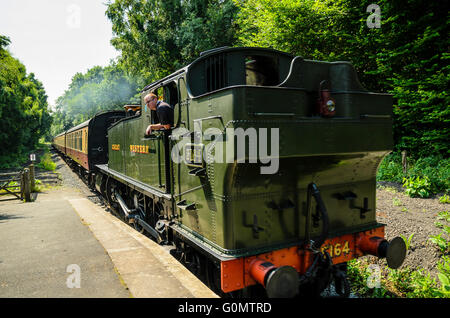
261,70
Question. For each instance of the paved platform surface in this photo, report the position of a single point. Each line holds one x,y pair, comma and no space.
44,243
39,243
146,267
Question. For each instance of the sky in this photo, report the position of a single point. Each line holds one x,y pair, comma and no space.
55,39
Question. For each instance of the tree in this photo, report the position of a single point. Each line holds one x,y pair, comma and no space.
101,88
24,110
407,56
157,37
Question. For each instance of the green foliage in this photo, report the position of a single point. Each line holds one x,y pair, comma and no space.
407,56
358,275
444,215
407,240
436,169
390,168
101,88
419,284
403,282
38,186
14,184
432,174
157,37
417,187
444,275
441,242
442,239
23,109
46,162
444,199
397,202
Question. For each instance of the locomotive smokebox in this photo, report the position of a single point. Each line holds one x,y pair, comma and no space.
394,251
280,282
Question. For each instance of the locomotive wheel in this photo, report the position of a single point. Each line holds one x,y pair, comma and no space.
189,257
110,188
213,277
139,202
139,205
92,181
193,263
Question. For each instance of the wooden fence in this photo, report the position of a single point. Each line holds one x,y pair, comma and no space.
19,184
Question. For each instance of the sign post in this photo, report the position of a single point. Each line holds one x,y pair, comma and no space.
32,181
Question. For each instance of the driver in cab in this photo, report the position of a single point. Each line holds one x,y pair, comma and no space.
163,111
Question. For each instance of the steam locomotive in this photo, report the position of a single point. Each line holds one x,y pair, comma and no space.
265,185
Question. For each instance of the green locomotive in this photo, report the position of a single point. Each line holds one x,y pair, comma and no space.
267,177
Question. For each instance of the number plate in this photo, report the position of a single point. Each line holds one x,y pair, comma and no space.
337,249
341,249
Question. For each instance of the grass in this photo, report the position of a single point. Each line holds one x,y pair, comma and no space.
46,162
407,240
399,283
388,189
366,281
397,202
14,184
445,199
444,215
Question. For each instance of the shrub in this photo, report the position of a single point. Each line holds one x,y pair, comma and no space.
444,199
434,169
444,276
417,187
47,163
391,168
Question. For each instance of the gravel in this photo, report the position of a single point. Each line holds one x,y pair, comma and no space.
406,216
68,178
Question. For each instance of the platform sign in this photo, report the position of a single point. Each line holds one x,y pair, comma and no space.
32,157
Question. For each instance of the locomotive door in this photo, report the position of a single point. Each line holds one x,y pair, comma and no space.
189,169
156,142
161,139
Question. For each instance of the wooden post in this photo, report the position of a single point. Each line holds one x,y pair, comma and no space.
26,185
32,180
404,162
21,185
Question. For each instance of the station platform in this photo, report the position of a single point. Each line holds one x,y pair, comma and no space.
62,233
